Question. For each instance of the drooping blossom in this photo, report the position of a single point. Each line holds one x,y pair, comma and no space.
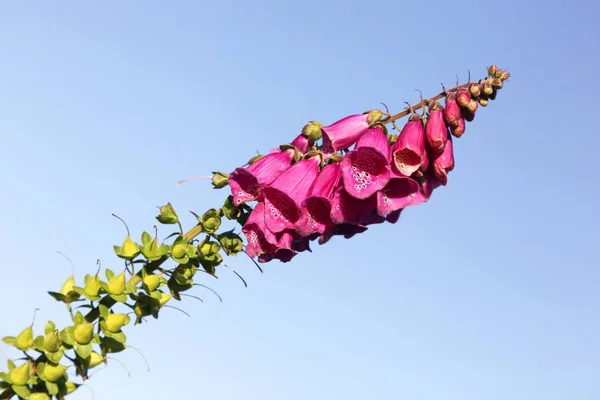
427,184
444,163
366,169
397,194
348,209
283,252
436,130
452,110
317,206
409,154
344,133
302,143
283,197
246,183
259,239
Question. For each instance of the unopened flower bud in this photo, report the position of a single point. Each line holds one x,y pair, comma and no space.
505,75
487,88
220,179
374,116
483,102
452,110
458,129
467,114
475,89
312,130
492,69
463,97
472,106
497,83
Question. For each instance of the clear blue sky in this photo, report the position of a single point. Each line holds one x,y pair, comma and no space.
489,291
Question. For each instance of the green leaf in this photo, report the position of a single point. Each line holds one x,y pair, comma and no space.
58,296
54,357
11,364
79,318
22,391
109,274
49,327
103,310
121,298
146,238
9,340
111,345
83,350
119,337
39,343
66,335
52,388
4,376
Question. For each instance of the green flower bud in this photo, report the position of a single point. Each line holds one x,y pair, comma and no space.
232,243
68,285
374,116
20,375
92,286
312,131
95,360
220,179
211,221
52,341
152,281
25,339
114,322
116,285
167,215
492,69
230,211
83,333
53,373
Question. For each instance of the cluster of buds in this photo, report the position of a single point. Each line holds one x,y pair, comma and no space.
358,175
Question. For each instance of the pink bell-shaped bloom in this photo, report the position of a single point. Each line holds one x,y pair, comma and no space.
246,183
284,196
397,194
444,163
317,206
344,133
366,169
259,239
409,154
284,250
302,143
348,209
427,184
436,130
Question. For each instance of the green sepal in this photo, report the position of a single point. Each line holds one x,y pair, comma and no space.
167,215
83,350
21,391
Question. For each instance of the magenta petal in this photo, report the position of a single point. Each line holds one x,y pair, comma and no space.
283,197
366,169
436,131
444,163
346,208
409,153
302,143
256,233
397,194
427,184
344,133
317,206
346,230
246,183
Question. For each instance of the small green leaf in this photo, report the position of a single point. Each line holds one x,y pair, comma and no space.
83,350
11,364
103,310
9,340
146,238
54,357
39,343
52,388
66,335
79,318
4,376
49,327
22,391
58,296
119,337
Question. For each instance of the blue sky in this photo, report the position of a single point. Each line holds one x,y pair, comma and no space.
488,291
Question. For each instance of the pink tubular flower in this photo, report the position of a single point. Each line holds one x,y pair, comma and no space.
436,129
345,230
397,194
317,206
452,110
348,209
366,169
302,143
260,239
444,163
283,251
427,184
285,194
344,133
246,183
408,153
